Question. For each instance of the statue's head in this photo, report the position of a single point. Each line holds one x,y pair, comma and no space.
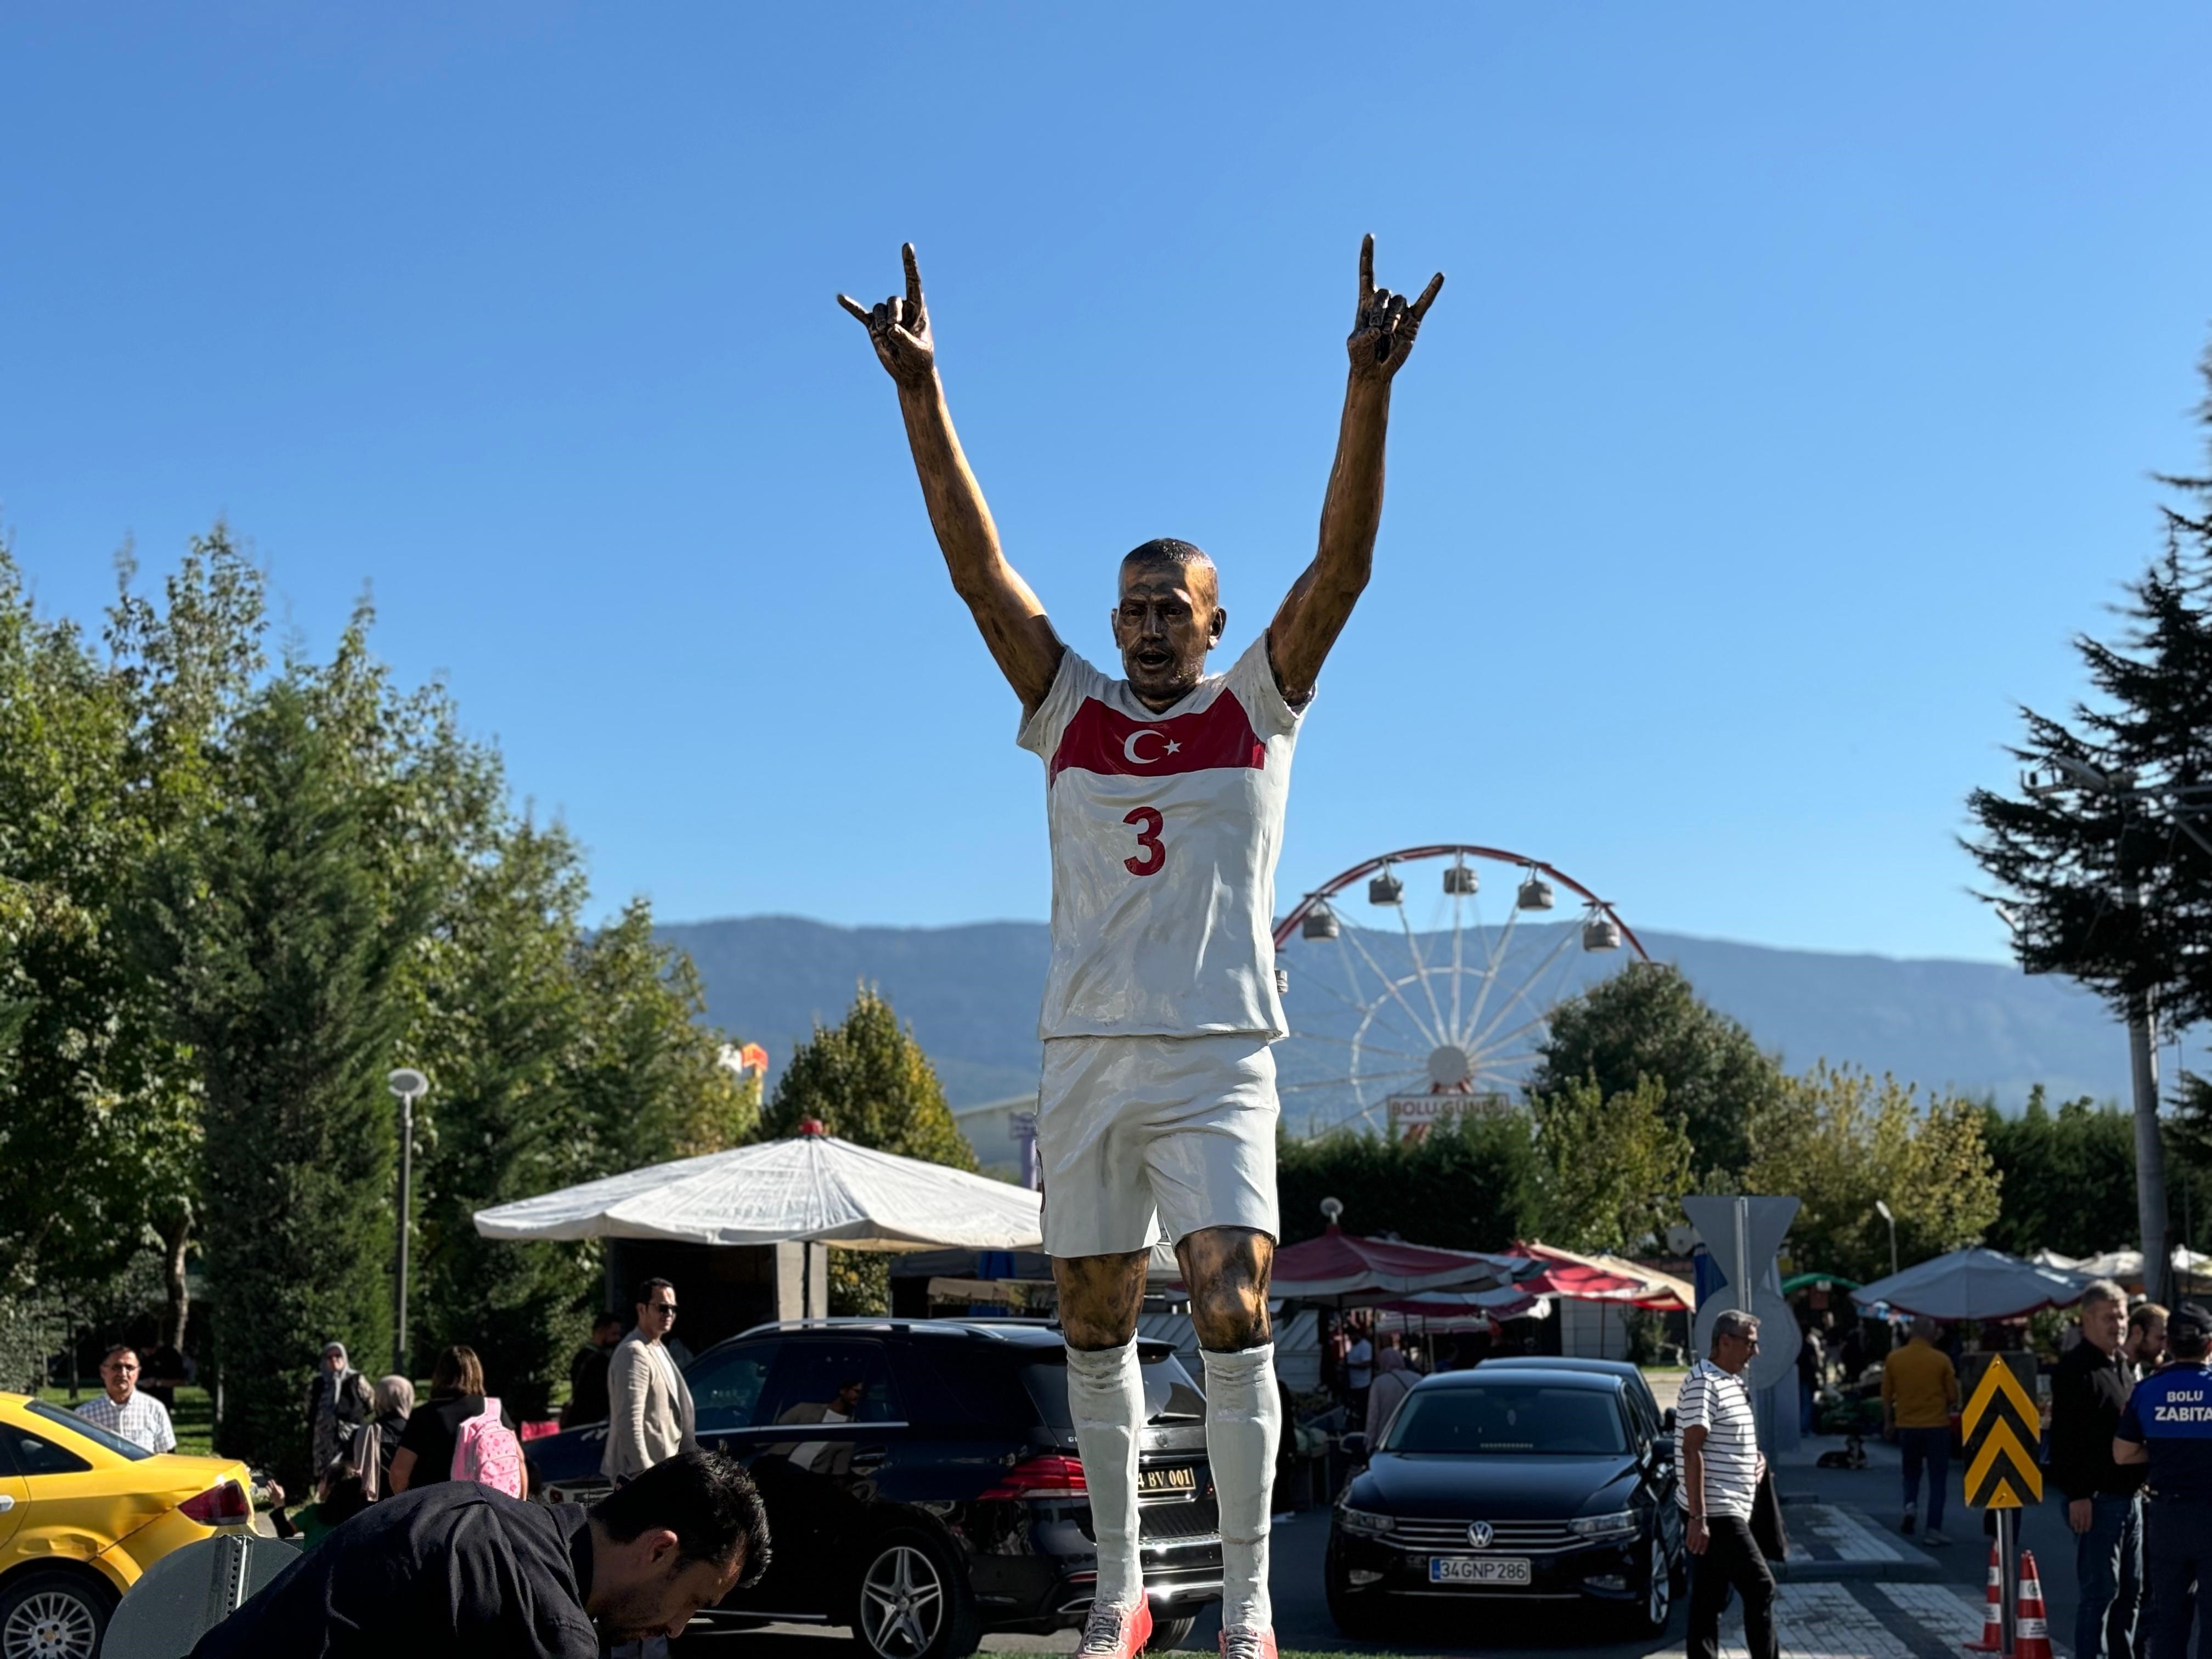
1168,616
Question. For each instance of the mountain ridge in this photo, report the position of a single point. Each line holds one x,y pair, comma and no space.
970,992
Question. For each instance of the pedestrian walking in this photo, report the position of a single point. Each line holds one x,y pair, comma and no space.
443,1428
650,1417
338,1400
2146,1339
1394,1381
588,1373
461,1569
124,1409
1358,1375
2166,1427
2089,1391
1919,1392
1811,1355
1716,1450
376,1443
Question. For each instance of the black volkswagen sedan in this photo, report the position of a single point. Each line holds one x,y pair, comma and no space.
1518,1483
922,1482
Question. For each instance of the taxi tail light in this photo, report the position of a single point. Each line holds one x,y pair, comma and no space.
218,1505
1052,1476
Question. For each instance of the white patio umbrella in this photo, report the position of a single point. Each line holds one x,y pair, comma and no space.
811,1189
1974,1283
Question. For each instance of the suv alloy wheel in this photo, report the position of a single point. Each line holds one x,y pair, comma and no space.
912,1602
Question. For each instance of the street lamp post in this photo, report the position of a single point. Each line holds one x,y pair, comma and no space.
1883,1210
409,1085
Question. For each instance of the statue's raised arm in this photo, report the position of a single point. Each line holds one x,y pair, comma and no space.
1013,623
1383,329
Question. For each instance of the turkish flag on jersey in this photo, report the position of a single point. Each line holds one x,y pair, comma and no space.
1105,740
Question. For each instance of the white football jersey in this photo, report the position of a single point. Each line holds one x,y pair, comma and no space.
1165,830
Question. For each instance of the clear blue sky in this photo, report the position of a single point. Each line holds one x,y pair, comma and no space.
1792,399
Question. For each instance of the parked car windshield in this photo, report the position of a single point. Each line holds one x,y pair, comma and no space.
1507,1417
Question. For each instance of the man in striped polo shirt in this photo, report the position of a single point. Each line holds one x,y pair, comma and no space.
123,1410
1716,1450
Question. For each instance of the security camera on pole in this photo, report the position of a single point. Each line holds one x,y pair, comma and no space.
408,1085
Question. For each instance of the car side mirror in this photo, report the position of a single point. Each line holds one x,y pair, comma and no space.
1353,1444
1667,1419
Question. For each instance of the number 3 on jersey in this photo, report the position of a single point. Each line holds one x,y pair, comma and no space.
1148,821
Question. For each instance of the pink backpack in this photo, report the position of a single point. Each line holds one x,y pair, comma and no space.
487,1452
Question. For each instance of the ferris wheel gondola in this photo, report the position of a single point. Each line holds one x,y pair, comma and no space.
1390,1020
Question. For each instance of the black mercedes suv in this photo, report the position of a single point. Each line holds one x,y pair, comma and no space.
1522,1482
922,1482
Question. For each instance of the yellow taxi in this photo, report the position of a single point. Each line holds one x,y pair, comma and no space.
82,1514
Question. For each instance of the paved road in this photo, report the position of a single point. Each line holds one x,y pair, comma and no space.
1871,1616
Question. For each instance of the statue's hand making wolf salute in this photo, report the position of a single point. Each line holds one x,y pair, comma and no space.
900,329
1164,796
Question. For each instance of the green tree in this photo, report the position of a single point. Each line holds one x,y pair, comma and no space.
866,1080
1615,1167
1647,1022
1472,1182
646,1070
1839,1140
279,928
499,1007
101,755
2101,885
2069,1176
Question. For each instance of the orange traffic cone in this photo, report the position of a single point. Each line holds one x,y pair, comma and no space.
2030,1631
1993,1615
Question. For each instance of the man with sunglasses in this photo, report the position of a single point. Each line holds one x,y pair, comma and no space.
650,1417
1717,1449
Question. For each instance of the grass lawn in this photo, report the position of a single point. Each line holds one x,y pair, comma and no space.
193,1418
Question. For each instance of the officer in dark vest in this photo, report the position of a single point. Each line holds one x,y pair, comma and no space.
2168,1424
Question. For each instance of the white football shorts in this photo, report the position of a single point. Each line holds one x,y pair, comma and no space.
1131,1128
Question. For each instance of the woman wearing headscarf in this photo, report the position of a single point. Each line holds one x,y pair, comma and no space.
337,1398
373,1442
1393,1380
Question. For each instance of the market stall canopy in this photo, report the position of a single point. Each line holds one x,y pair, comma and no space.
2125,1265
1345,1270
1453,1310
1602,1278
1975,1283
811,1189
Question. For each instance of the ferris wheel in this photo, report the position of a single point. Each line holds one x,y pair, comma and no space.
1397,1020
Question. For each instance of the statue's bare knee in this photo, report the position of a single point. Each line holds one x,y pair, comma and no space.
1226,1269
1099,1297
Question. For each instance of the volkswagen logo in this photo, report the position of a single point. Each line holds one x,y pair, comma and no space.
1478,1534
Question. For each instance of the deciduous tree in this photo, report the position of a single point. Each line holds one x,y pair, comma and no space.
1646,1022
1615,1167
1839,1140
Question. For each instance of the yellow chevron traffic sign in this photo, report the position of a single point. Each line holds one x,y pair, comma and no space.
2003,1428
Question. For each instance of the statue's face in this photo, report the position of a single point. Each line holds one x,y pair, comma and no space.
1166,622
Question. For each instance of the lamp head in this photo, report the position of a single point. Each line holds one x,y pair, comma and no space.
408,1084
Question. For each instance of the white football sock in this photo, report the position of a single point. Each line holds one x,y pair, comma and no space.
1106,1394
1244,1427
